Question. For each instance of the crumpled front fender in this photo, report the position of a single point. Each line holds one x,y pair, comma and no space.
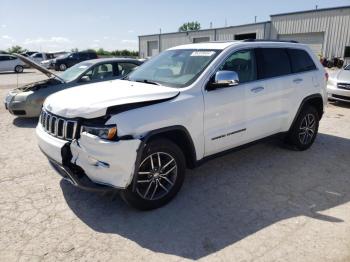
106,162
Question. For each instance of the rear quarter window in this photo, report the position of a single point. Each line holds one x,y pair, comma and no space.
274,62
300,61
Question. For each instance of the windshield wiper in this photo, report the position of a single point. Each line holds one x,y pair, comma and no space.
147,82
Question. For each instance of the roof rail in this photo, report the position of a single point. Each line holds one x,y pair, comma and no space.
270,40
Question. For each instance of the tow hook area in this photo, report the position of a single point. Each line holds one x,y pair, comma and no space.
106,162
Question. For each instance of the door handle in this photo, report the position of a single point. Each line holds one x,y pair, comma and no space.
257,89
298,80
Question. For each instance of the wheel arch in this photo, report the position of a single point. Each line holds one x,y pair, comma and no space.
314,100
180,136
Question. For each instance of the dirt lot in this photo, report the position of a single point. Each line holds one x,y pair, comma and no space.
264,203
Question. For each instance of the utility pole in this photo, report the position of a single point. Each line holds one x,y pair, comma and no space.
316,7
225,22
255,19
211,25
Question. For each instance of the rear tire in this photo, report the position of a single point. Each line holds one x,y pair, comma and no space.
19,69
304,130
159,177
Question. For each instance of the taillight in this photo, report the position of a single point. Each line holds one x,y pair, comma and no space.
326,75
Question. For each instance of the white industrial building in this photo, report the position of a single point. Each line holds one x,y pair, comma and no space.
327,31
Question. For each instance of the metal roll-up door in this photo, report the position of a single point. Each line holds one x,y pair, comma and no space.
314,40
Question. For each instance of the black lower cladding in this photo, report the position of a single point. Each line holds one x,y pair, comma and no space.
19,112
342,97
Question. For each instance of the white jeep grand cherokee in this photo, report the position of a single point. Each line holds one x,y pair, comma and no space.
191,102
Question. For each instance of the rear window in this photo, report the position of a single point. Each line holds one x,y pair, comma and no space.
300,61
275,62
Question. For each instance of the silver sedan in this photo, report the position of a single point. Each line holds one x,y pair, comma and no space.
26,101
338,87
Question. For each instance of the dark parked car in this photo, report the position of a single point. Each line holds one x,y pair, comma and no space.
63,62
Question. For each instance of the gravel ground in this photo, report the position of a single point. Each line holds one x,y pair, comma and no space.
263,203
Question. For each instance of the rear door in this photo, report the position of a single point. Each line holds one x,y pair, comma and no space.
4,63
268,103
8,63
305,77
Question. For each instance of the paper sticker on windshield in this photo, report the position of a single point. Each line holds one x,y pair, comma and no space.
82,66
202,53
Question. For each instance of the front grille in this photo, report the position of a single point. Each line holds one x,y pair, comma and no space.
344,86
58,127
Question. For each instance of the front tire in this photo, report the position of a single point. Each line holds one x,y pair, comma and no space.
159,177
304,131
19,69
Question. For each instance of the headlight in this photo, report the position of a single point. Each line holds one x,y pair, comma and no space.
106,132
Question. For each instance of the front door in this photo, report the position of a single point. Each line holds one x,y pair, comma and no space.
225,116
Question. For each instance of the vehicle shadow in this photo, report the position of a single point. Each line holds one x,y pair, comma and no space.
340,104
13,73
25,122
229,198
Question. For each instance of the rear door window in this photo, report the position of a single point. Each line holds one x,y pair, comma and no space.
274,62
300,61
102,71
125,68
4,58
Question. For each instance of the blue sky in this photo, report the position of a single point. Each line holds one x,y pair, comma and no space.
62,25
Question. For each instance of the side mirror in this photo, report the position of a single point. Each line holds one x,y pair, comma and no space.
224,79
85,79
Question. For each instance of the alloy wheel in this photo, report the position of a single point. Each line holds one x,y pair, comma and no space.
307,129
156,176
63,67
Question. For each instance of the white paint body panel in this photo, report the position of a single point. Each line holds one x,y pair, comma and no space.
50,145
92,100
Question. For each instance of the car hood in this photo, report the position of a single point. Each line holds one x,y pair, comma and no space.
37,85
343,76
35,65
93,100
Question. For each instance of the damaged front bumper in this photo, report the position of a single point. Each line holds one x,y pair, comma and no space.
91,162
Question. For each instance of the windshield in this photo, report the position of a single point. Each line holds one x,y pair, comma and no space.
72,73
174,68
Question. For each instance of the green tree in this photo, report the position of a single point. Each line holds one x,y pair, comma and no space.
190,26
16,49
102,52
